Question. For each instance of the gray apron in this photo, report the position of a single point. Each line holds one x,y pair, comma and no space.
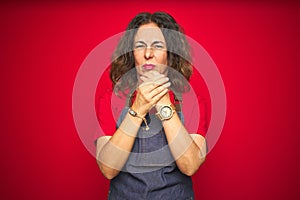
150,172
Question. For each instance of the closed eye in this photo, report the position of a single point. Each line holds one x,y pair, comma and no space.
139,46
157,46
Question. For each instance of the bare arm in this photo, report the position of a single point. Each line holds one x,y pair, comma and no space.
113,152
189,150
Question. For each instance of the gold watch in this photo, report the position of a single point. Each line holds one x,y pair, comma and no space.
166,112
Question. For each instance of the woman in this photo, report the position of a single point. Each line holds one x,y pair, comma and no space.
151,155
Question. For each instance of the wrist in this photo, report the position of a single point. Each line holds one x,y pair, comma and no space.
134,114
139,110
160,104
165,112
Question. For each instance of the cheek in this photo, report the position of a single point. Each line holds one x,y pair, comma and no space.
164,61
137,58
162,58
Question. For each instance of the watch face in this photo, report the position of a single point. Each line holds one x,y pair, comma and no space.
166,112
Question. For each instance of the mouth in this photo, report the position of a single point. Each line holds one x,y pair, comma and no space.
148,66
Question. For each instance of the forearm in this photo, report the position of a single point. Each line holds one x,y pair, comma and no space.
113,154
188,152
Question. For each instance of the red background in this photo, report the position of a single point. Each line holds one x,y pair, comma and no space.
255,45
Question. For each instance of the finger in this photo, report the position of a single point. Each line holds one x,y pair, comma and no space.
157,97
150,85
150,89
159,88
161,81
147,85
151,98
145,79
153,75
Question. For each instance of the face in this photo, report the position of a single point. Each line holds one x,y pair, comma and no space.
150,50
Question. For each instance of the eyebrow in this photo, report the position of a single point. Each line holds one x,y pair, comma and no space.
155,42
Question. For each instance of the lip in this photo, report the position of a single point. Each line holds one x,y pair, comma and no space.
148,66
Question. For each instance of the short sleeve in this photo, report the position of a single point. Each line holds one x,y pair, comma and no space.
203,102
103,106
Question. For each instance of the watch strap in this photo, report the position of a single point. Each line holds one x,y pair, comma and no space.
173,108
134,114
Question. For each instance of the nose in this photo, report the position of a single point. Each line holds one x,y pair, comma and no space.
149,53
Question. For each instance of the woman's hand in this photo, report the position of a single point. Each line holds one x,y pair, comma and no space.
153,88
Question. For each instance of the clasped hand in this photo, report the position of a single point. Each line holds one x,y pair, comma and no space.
153,90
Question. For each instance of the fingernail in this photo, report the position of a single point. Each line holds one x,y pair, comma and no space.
167,84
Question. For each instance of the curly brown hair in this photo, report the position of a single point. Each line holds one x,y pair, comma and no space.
178,53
